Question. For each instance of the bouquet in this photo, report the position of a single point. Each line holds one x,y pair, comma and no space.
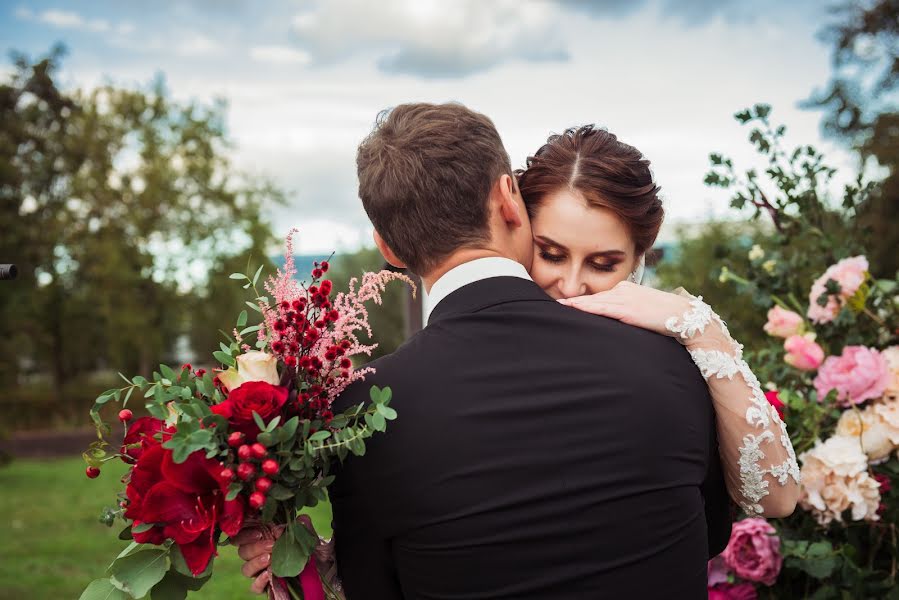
831,363
252,442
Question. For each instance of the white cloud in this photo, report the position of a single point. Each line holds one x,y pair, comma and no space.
196,44
422,37
279,55
63,19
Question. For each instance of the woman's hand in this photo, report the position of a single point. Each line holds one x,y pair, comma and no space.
633,304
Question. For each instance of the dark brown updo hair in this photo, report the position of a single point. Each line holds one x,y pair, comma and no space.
607,172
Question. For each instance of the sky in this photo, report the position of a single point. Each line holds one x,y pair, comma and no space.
304,80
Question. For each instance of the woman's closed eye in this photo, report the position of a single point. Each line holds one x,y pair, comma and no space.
553,258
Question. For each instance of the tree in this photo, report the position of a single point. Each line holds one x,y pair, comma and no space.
860,104
112,201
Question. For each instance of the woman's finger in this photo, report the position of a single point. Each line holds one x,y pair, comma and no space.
247,535
251,551
252,567
260,583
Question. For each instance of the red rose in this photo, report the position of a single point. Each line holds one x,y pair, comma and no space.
260,397
143,432
775,401
185,502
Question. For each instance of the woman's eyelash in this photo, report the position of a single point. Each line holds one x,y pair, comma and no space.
603,268
553,258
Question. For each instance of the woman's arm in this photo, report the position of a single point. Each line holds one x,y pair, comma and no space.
759,462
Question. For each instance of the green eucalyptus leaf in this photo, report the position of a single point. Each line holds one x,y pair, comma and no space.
137,573
242,318
167,372
103,589
319,436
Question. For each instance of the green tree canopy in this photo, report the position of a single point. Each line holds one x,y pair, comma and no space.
115,205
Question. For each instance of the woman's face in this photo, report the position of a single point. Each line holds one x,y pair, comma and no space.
579,249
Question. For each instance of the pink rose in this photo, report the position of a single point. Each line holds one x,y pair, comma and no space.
783,323
733,591
803,352
753,551
857,375
850,273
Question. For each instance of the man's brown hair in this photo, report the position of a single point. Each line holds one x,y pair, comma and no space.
425,173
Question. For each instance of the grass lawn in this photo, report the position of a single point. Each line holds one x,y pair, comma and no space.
52,545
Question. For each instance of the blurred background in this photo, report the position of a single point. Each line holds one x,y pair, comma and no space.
147,151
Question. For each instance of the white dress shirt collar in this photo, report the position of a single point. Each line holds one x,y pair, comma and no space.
470,272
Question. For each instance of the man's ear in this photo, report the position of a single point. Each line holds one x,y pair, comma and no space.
510,206
387,253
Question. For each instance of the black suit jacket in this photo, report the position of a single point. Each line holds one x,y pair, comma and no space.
540,452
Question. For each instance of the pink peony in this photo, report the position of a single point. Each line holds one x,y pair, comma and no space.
783,323
733,591
850,273
803,352
717,571
857,375
753,551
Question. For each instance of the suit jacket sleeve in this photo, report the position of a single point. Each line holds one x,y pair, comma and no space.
717,503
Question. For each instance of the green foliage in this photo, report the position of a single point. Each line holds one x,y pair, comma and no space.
695,265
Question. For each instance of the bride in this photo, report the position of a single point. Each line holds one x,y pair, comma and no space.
595,211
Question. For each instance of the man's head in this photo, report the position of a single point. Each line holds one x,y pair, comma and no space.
434,180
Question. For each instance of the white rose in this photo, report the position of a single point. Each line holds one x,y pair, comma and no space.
258,366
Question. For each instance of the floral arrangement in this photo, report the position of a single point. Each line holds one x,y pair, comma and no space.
253,441
832,370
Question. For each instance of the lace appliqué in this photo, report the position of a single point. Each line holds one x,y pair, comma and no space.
760,414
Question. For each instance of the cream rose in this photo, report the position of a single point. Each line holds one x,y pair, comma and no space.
251,366
888,411
868,427
835,478
891,355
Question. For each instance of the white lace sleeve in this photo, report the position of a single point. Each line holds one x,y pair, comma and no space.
745,417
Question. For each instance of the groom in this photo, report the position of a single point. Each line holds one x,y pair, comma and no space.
540,452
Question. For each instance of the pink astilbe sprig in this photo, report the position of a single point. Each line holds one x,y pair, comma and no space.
353,318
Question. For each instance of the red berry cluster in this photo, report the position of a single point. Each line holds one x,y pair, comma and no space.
248,455
299,325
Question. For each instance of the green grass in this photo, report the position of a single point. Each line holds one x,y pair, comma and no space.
52,545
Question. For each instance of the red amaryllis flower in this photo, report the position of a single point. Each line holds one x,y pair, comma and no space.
185,502
260,397
143,432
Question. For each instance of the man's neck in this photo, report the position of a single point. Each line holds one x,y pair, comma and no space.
458,258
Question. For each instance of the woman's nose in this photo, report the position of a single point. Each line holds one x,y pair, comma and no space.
571,286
